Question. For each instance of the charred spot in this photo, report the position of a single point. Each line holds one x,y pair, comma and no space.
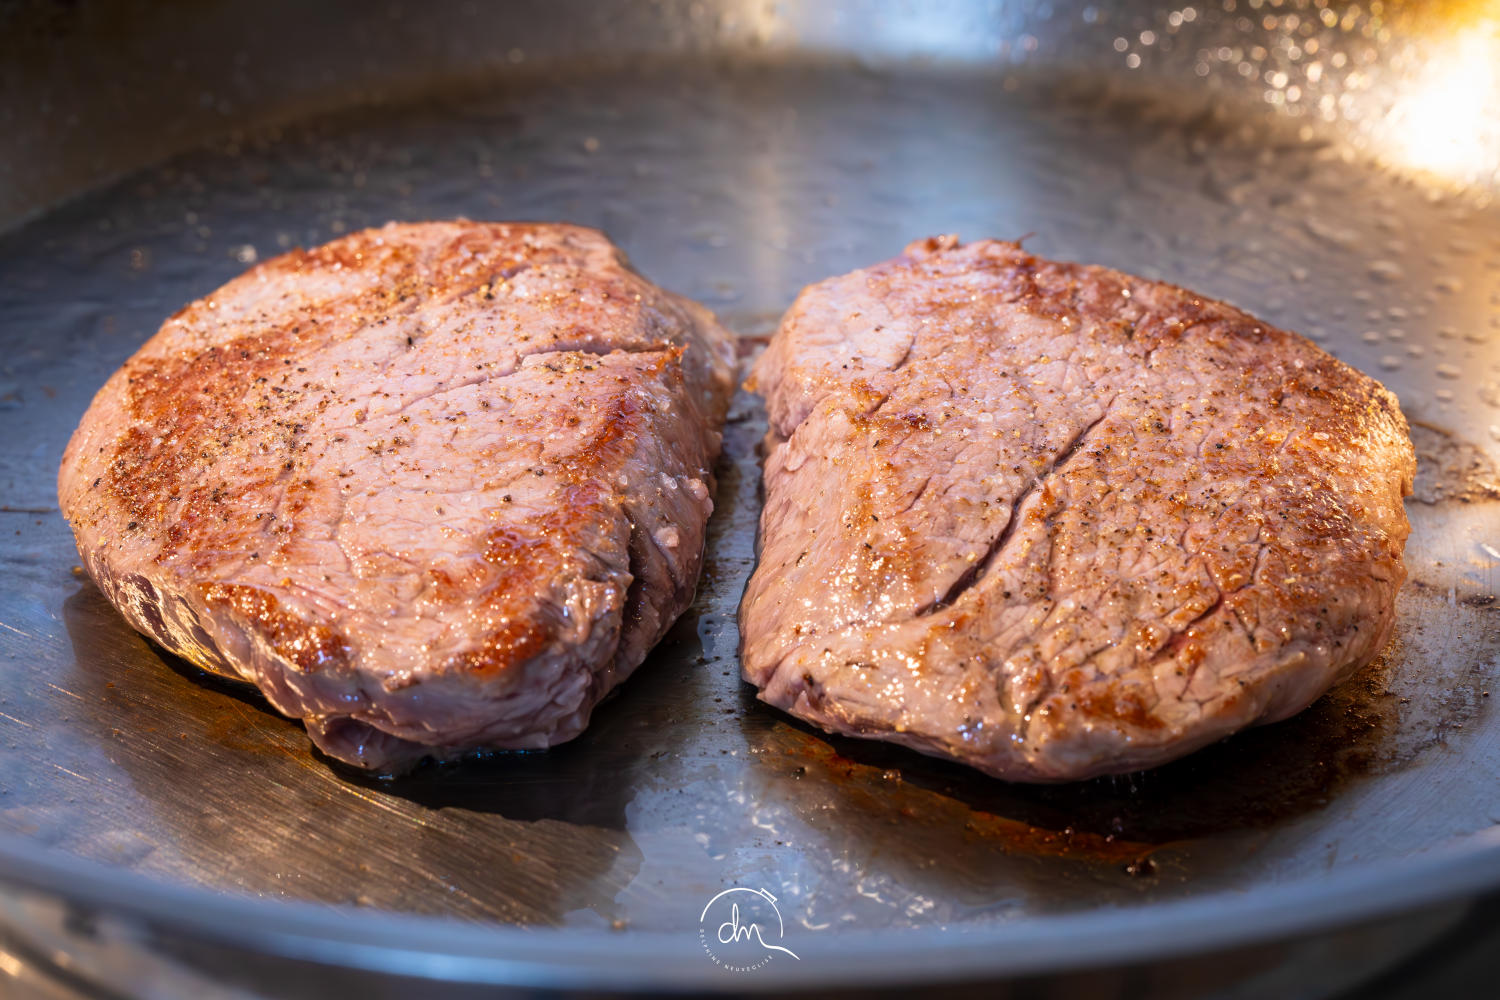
514,642
621,424
1109,702
309,645
917,421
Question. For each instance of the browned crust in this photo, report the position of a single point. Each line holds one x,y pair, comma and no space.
309,645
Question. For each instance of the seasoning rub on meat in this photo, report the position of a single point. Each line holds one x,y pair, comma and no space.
430,487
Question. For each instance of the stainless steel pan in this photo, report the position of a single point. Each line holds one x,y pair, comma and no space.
1331,168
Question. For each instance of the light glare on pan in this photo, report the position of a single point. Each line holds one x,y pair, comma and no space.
1445,122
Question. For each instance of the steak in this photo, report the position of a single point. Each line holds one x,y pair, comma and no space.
1055,521
431,488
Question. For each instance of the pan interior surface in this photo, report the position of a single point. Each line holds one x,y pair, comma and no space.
736,182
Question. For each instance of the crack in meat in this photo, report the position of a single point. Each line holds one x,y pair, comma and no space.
969,576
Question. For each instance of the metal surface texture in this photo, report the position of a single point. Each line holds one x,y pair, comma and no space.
1276,155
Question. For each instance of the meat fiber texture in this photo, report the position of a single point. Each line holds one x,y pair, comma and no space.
1055,521
430,487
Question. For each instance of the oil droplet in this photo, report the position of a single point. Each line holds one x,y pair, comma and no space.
1390,362
1330,233
1449,371
1386,270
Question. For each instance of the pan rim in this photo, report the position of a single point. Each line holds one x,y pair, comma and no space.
443,949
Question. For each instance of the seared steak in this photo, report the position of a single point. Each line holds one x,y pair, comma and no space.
1055,521
430,487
